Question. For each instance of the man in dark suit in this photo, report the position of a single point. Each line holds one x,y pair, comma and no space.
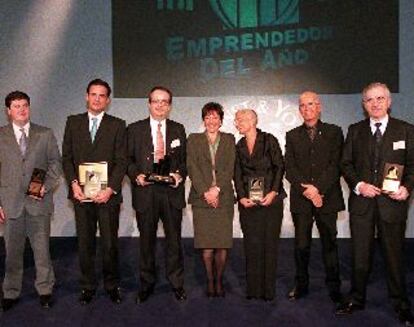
95,136
313,153
25,146
154,140
369,145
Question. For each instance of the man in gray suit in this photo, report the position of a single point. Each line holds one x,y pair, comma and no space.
25,146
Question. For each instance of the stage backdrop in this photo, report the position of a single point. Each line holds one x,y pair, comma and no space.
253,47
51,49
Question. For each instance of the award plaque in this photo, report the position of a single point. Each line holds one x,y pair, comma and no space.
256,189
392,177
36,182
161,172
93,177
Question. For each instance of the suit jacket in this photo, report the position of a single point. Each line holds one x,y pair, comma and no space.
110,146
141,158
16,170
266,161
199,167
356,164
316,163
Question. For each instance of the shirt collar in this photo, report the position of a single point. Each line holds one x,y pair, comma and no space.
100,116
26,128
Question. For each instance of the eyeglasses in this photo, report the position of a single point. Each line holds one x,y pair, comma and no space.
380,99
160,102
308,104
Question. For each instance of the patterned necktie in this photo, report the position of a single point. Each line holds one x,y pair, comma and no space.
377,148
378,134
159,153
312,132
94,128
23,142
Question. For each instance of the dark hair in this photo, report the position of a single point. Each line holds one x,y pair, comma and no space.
100,82
16,95
159,88
212,107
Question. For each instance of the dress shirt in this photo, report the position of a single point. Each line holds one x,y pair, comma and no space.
98,123
18,133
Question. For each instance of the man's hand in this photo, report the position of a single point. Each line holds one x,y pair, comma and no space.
368,190
401,195
2,216
247,203
141,180
310,191
42,194
268,199
317,201
77,191
177,179
103,196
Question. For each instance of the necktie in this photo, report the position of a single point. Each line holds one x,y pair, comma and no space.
94,128
23,142
312,132
377,148
378,134
159,153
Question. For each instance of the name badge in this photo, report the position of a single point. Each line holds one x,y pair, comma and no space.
399,145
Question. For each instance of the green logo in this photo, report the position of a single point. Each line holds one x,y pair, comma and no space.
187,5
243,13
254,13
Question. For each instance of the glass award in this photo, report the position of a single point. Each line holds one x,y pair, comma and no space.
392,177
256,189
161,172
36,182
93,177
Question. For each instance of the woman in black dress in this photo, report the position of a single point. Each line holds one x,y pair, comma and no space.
259,162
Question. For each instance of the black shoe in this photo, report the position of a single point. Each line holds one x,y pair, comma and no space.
46,301
406,317
115,295
251,297
7,304
297,293
86,296
180,294
143,295
210,295
348,308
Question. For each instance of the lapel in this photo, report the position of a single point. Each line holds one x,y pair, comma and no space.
146,135
389,136
168,136
304,137
104,129
10,140
83,131
366,138
33,138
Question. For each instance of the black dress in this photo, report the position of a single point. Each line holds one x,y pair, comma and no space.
260,225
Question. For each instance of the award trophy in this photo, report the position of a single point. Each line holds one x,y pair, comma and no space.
36,182
93,177
160,172
392,177
256,189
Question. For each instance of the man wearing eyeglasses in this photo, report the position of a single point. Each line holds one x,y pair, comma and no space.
313,153
370,144
153,142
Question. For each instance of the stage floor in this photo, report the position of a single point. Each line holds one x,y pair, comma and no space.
234,310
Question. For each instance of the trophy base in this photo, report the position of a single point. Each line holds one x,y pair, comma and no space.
159,179
390,186
34,189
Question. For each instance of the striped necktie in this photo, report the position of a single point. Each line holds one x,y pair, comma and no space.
94,128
